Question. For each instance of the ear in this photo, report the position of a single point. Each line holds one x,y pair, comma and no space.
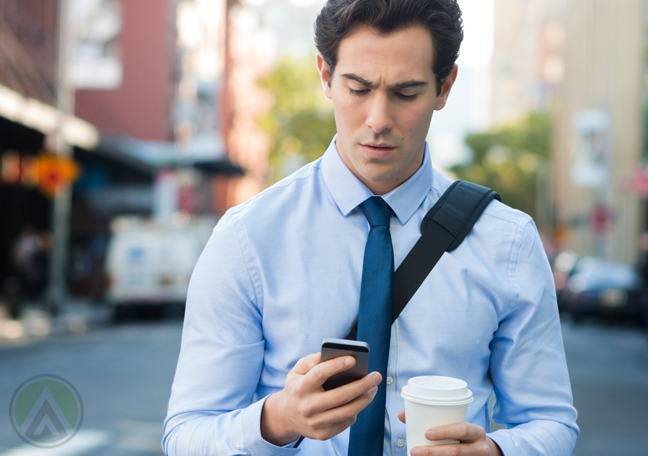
325,74
442,99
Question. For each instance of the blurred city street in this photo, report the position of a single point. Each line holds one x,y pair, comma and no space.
608,366
124,373
129,129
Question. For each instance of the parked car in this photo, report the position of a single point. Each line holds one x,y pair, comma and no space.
592,286
150,264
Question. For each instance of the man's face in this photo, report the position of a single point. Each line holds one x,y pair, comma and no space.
384,93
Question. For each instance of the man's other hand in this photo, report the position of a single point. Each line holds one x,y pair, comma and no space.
303,407
472,438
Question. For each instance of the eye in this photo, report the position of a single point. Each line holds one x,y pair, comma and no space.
358,92
406,97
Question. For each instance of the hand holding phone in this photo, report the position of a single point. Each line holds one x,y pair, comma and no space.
302,408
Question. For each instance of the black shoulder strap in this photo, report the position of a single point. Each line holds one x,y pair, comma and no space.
442,230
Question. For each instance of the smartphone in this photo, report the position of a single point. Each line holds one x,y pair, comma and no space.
334,348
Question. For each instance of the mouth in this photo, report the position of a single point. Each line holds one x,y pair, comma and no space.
378,148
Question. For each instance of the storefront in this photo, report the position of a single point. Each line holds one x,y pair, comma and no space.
24,209
29,176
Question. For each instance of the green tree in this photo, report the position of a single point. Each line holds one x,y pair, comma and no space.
301,122
510,159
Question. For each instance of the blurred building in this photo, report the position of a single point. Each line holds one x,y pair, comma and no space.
149,75
124,70
598,147
250,55
138,100
526,62
163,101
260,33
526,67
582,61
28,115
199,118
147,79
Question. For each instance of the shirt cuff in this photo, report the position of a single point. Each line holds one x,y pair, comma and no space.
254,442
503,441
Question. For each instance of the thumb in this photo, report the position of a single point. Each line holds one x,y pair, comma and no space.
305,364
401,415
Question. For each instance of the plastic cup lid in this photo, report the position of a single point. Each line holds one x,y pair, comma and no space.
435,389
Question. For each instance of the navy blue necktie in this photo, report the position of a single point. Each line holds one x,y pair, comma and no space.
374,324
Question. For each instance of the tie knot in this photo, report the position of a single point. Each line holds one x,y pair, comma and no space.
377,211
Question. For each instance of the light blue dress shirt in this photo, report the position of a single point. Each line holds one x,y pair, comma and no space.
282,271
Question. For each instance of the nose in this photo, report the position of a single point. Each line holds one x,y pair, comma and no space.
379,118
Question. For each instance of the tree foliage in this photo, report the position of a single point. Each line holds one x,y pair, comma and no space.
301,122
509,160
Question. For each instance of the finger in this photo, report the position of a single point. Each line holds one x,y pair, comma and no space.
347,393
401,416
330,431
341,426
463,449
437,450
305,364
346,411
465,432
322,371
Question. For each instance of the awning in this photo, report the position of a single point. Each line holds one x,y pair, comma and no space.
205,152
45,118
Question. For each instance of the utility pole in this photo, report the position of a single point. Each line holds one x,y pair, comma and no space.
57,288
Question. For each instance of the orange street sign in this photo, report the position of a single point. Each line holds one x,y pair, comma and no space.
55,172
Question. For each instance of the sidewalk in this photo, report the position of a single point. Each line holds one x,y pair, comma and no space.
76,317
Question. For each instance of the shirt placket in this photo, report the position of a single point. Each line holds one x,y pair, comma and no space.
398,445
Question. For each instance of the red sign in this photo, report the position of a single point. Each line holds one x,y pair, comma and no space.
49,172
601,219
55,172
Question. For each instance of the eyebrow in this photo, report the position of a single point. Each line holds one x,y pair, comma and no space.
399,86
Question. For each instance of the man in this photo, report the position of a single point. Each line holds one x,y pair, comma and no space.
285,270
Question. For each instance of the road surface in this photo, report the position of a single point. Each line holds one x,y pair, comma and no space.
124,374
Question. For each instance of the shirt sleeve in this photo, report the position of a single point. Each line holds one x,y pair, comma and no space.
528,366
211,409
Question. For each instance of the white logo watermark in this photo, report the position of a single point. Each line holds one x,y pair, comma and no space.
46,411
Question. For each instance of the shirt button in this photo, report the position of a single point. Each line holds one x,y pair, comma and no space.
400,442
390,381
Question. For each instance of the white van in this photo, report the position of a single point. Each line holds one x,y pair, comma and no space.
151,263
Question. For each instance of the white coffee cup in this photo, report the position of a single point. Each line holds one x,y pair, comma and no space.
433,401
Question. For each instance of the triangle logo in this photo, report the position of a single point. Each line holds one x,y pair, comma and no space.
46,422
46,411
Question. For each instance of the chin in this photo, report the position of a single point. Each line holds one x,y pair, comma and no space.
377,176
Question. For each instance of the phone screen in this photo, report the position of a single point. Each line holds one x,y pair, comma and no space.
334,348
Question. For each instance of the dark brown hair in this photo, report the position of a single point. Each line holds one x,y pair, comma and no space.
441,17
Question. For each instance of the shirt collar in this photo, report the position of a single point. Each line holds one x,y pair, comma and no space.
348,192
